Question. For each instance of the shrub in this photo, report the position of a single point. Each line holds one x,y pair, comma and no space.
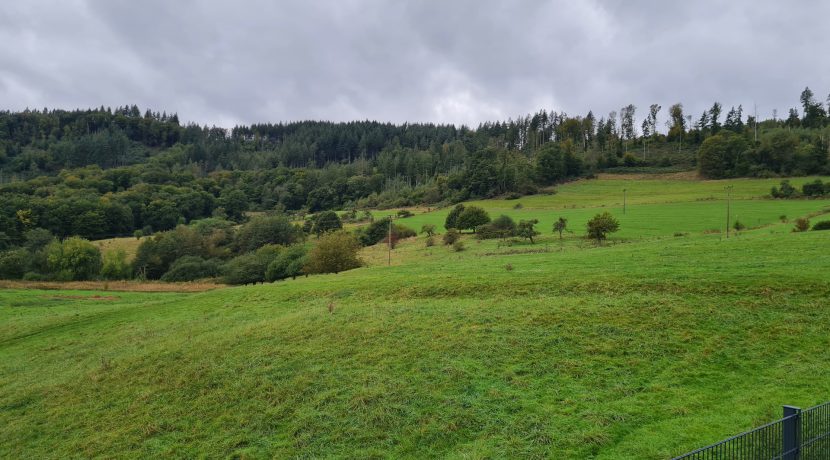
334,253
458,246
378,231
502,227
526,229
738,226
783,218
518,206
189,268
138,234
14,263
802,224
288,264
404,213
472,217
451,236
784,190
429,229
822,225
155,254
430,241
452,217
74,259
815,188
601,225
267,230
326,221
250,267
509,267
115,265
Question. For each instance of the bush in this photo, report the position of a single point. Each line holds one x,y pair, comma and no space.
334,253
783,218
155,254
472,217
815,188
784,190
115,266
404,213
430,241
738,226
378,231
189,268
326,221
601,225
458,246
429,229
288,264
250,267
502,227
802,224
74,259
451,236
267,230
14,263
822,225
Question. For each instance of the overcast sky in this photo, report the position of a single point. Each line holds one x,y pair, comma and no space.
453,61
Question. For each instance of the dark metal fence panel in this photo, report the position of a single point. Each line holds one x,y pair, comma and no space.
765,442
799,435
815,433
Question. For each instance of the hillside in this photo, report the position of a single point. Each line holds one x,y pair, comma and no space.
647,346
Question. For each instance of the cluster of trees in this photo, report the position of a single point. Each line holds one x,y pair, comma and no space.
478,221
814,189
266,248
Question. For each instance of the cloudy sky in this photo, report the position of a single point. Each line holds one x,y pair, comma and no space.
455,61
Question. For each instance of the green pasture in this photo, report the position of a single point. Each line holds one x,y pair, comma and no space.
644,347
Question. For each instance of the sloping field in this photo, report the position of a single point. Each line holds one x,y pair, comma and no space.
645,347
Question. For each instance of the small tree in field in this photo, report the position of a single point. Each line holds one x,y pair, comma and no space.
429,229
526,230
335,252
452,217
560,226
472,217
601,225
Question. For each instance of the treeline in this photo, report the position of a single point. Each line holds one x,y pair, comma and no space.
103,172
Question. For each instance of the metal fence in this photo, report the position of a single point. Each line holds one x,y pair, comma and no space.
798,435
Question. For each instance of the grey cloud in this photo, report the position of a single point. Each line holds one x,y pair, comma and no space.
459,62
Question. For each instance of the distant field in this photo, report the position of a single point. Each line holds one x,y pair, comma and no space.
653,207
129,244
643,348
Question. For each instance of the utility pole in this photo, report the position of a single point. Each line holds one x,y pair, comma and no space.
728,204
624,190
755,123
389,258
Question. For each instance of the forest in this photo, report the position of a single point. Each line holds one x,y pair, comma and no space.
103,173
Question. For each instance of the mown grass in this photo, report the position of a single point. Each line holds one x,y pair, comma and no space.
640,348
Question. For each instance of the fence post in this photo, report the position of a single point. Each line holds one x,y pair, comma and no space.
792,433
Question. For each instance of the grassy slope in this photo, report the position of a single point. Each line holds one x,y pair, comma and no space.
635,350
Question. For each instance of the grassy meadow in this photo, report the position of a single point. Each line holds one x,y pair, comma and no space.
645,347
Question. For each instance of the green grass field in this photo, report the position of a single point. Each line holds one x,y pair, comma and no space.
645,347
